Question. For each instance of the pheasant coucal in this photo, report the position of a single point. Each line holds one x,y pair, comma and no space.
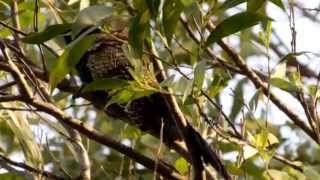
106,59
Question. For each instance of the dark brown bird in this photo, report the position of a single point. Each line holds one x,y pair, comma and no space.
107,60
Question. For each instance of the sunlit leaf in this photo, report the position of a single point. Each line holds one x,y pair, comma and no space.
284,85
22,131
181,165
235,23
249,152
277,175
280,71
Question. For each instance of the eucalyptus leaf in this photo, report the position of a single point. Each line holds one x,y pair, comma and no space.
254,5
68,60
171,15
105,84
234,24
49,33
284,85
230,4
90,16
278,3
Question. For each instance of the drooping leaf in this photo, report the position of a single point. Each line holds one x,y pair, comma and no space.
230,4
278,3
49,33
284,85
235,24
254,5
105,84
199,74
68,60
23,132
138,29
171,15
238,99
253,103
90,16
220,80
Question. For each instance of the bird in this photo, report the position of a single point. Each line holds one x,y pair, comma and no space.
106,59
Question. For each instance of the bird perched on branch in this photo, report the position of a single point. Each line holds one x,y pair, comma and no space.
106,59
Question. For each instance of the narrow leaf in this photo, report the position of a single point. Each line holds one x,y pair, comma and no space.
230,4
105,84
68,60
49,33
138,31
278,3
284,85
199,74
235,24
91,16
254,5
171,14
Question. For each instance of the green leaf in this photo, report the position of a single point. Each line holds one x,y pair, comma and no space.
181,165
230,4
253,103
254,5
261,139
277,175
129,94
21,128
171,15
220,80
105,84
311,172
49,33
284,85
238,99
138,30
68,60
131,132
235,24
199,74
278,3
91,16
280,71
235,170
